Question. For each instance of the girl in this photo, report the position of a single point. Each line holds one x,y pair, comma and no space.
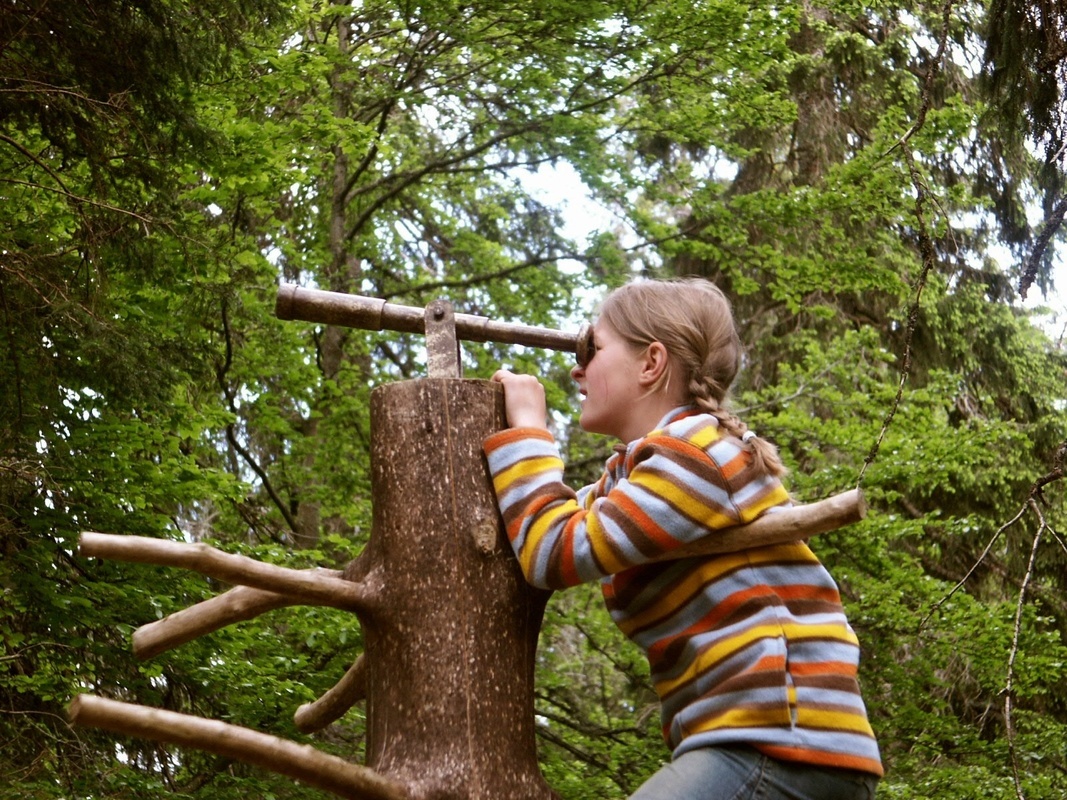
750,653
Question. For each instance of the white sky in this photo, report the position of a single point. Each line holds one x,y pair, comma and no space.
561,188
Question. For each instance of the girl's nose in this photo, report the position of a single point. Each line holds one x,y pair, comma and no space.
577,372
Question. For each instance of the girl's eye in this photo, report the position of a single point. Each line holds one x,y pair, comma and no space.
585,348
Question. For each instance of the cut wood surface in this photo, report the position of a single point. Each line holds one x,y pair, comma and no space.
301,762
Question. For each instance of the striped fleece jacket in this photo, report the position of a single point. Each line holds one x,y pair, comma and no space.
750,647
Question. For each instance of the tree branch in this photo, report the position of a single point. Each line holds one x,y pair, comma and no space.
352,688
237,605
301,762
787,525
308,587
231,428
1009,687
1035,494
1053,222
926,244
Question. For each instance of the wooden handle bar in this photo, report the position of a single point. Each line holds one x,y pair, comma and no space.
371,313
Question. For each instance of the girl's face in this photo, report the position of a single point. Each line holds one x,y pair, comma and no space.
609,385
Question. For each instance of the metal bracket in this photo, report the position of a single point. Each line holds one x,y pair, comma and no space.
442,345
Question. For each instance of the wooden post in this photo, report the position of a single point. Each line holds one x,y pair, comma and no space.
451,639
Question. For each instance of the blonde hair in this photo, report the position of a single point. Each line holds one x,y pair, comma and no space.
693,320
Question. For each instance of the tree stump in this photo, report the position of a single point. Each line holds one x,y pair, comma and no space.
451,633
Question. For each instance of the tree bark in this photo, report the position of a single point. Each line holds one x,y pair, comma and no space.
450,641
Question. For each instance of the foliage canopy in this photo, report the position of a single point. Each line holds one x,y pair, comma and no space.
874,185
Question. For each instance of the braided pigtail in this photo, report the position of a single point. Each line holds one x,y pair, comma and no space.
705,391
693,320
764,453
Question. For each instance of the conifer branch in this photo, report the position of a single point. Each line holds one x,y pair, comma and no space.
1009,687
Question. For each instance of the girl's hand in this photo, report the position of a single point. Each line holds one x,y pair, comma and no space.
524,399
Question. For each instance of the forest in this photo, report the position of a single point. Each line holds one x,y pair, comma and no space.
880,188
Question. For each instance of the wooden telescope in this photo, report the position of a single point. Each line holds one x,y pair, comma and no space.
435,321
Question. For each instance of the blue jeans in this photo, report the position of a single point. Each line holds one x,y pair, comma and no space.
742,773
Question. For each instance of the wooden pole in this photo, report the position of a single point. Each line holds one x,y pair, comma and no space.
309,586
302,762
784,525
372,313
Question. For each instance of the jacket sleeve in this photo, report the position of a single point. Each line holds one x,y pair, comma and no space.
673,493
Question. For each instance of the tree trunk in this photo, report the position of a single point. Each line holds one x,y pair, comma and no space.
451,639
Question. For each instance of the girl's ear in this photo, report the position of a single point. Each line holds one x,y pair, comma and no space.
654,363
